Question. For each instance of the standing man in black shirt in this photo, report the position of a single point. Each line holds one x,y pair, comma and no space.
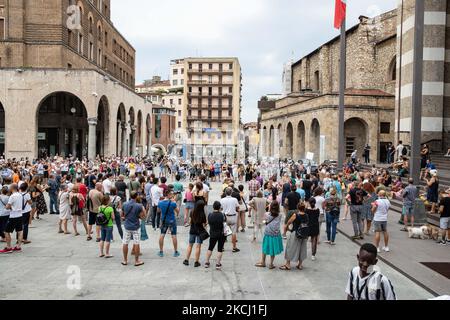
444,210
355,199
307,186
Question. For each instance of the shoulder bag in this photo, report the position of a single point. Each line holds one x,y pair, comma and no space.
226,228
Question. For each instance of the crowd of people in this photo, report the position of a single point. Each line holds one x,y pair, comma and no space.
284,205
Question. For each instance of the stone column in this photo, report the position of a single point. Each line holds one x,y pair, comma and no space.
149,144
262,142
62,142
73,147
92,138
124,141
133,141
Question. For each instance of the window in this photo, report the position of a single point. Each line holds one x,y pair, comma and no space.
91,51
230,66
175,82
210,66
181,82
69,66
190,89
190,66
91,25
99,58
385,127
179,124
316,81
179,102
179,113
210,79
106,39
299,85
230,90
158,127
182,70
171,102
80,43
164,101
175,72
2,29
220,67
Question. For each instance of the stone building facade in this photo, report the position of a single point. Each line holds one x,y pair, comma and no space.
306,121
67,82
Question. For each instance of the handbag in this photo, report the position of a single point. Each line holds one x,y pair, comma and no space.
302,231
204,235
226,228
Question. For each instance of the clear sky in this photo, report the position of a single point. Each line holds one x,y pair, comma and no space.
263,34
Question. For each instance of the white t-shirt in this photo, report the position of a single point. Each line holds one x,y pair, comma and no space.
26,197
15,200
319,202
205,188
107,185
229,205
383,206
366,288
156,194
70,186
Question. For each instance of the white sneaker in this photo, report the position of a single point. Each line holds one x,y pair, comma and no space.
313,258
386,249
379,250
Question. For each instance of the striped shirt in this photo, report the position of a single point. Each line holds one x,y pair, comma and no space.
372,287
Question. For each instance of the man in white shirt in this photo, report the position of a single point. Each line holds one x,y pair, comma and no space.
366,283
15,222
156,194
26,205
380,208
230,207
399,150
107,184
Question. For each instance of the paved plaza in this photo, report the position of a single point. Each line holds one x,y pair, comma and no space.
45,268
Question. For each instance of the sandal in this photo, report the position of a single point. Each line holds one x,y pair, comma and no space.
139,264
260,265
272,267
299,267
101,256
109,257
89,239
285,268
218,266
207,265
124,263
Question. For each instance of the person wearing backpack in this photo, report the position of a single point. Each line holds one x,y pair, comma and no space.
332,208
296,247
366,281
105,219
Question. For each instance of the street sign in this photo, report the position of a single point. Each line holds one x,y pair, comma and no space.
41,136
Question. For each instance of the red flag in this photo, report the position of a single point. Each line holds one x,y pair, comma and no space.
340,13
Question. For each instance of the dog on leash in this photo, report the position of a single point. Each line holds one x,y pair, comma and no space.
424,233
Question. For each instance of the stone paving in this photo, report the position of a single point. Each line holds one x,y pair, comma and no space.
44,270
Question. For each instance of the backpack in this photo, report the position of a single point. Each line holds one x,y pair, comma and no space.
404,151
335,210
101,219
302,231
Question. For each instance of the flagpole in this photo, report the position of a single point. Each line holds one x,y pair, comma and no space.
342,85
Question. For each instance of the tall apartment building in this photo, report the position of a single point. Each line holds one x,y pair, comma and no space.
176,75
65,62
211,116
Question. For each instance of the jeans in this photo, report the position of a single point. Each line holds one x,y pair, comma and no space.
118,223
53,203
156,217
332,222
356,213
25,223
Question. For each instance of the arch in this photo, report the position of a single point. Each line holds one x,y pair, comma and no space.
317,81
91,23
103,116
314,139
392,71
131,115
81,7
132,135
301,137
289,141
2,129
121,127
356,132
62,125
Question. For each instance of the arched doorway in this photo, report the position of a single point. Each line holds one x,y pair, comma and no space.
102,126
132,137
2,130
289,141
139,133
62,126
271,141
121,131
301,133
314,140
356,136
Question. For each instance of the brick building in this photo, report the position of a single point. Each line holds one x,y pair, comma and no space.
66,63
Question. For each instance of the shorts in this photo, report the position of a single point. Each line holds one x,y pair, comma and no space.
92,218
380,226
193,238
219,241
408,210
14,224
445,223
189,205
134,235
289,214
172,226
107,234
232,223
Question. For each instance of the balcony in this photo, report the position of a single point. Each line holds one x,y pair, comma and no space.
205,83
211,118
206,107
207,95
210,71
